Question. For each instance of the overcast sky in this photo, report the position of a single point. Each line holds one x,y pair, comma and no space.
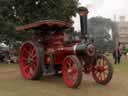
105,8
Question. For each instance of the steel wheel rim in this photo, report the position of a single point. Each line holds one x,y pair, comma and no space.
101,70
28,60
70,72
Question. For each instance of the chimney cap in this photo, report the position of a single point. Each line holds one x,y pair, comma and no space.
83,11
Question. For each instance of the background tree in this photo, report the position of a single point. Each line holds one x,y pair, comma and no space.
28,11
19,12
98,28
5,25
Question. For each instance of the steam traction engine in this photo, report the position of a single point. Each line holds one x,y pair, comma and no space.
48,54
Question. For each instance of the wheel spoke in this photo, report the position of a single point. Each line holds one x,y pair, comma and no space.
100,76
24,59
103,62
33,52
100,62
33,66
34,56
106,71
104,75
70,65
74,71
26,50
95,67
66,67
31,71
67,64
105,67
95,70
26,68
73,74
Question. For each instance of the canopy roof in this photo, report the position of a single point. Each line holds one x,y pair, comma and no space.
44,23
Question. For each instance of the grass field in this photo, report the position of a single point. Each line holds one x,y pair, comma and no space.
12,84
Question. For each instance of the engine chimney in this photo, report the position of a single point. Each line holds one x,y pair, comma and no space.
83,12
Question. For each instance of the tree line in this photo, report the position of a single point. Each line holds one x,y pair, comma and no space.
20,12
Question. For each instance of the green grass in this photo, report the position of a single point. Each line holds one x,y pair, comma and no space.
12,84
123,66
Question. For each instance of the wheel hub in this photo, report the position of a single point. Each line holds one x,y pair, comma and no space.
29,60
101,69
69,70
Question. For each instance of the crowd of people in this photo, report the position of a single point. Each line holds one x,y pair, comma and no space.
7,58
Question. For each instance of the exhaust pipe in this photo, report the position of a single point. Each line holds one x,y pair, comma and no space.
83,12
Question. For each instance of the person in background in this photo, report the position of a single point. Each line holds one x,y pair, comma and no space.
117,54
127,55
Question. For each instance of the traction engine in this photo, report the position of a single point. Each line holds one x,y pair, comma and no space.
48,54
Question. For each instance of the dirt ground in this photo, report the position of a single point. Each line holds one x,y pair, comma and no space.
12,84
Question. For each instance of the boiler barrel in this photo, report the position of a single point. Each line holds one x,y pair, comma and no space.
79,49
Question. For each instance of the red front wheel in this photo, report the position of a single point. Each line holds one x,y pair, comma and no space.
72,71
102,71
30,60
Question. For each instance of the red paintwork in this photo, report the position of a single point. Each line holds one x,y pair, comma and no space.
49,23
53,42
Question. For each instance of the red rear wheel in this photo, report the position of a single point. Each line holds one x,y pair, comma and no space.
102,71
72,71
30,60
